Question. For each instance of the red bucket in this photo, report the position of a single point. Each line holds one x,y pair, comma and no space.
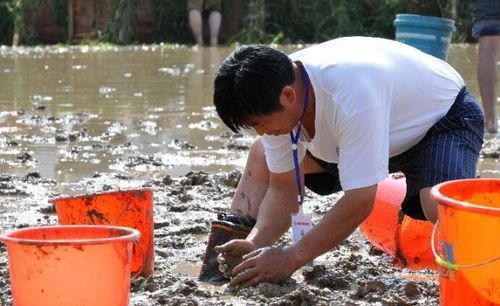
70,265
130,208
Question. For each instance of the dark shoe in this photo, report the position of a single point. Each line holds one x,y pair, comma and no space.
224,229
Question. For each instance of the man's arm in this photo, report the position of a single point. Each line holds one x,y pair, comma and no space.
273,265
273,219
337,224
278,203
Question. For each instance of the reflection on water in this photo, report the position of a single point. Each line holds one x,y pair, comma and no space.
68,112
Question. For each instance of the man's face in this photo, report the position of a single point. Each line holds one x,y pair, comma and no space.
277,123
280,122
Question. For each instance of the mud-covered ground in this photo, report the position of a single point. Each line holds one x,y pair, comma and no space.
354,273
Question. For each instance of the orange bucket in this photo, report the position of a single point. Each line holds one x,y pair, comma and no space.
130,208
406,239
468,241
70,265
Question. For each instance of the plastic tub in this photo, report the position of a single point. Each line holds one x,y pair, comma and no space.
429,34
468,241
406,239
131,208
70,265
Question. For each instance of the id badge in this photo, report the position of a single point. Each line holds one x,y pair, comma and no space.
301,224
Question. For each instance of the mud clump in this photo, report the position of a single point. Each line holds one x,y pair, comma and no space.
195,179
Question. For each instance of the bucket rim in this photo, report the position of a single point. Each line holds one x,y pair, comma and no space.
422,21
427,17
450,202
132,235
107,192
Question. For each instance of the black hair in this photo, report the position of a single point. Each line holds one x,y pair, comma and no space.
249,83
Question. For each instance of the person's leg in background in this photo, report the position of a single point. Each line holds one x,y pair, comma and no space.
486,28
214,20
489,47
195,8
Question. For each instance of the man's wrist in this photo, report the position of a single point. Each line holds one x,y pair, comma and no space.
255,246
297,256
258,240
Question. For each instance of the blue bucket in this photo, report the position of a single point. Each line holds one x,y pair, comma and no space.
429,34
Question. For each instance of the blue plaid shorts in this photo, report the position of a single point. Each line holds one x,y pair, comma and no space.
449,151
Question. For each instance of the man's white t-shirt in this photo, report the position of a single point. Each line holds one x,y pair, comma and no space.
375,98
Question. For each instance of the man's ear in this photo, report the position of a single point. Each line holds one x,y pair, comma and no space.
288,96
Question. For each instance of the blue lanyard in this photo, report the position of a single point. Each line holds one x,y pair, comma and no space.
295,139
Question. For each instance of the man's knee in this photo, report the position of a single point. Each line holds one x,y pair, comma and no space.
429,206
418,204
257,150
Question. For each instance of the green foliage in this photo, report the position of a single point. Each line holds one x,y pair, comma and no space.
429,7
59,12
296,21
27,27
20,18
121,28
264,21
14,22
463,22
6,22
255,24
171,21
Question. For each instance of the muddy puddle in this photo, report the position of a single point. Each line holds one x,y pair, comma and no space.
89,119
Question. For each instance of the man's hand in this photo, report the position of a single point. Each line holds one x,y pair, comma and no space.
263,265
231,254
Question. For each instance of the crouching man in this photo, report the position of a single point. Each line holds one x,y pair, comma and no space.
340,115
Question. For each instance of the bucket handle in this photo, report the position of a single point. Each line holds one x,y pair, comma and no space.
450,265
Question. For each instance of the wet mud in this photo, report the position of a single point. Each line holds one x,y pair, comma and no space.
351,274
354,273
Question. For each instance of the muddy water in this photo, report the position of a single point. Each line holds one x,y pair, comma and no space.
150,99
86,119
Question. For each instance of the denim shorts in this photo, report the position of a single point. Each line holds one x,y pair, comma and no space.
204,5
448,151
486,27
